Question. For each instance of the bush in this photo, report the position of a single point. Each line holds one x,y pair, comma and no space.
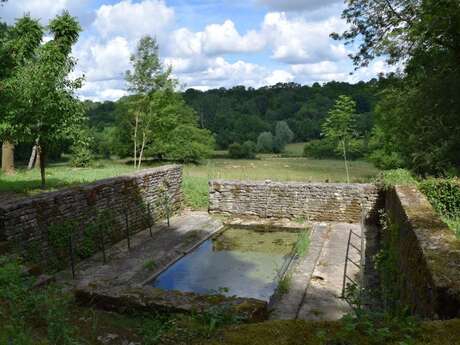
320,149
190,144
386,161
444,195
81,157
390,178
283,136
249,149
265,142
238,151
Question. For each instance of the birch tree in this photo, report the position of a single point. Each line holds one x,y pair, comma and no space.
339,126
146,77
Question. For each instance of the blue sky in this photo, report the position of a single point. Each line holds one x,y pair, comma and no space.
209,44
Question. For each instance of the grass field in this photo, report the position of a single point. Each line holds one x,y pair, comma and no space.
196,177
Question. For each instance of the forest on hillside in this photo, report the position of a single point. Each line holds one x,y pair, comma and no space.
239,114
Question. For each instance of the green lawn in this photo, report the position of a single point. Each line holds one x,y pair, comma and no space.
195,176
269,167
294,150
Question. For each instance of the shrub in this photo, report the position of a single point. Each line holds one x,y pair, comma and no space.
283,136
383,160
249,149
444,195
320,149
81,157
235,150
238,151
265,142
390,178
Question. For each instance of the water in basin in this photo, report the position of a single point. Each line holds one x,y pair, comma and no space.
239,262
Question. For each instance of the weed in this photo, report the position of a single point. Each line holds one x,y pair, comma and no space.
150,265
303,243
284,285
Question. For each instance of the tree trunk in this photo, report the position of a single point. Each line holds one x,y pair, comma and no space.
142,151
8,157
33,158
41,153
37,157
136,125
345,159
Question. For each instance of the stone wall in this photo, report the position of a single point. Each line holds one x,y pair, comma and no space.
428,254
314,201
25,223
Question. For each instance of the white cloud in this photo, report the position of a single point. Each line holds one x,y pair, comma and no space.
297,41
103,61
221,39
133,20
44,9
215,39
297,5
279,76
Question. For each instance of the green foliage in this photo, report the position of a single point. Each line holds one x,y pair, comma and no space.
418,114
284,285
265,142
444,195
238,151
189,143
147,75
81,152
339,125
320,149
303,243
45,107
389,178
195,190
283,136
21,309
239,113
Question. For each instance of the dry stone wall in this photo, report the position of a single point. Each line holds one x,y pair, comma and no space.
24,224
428,254
314,201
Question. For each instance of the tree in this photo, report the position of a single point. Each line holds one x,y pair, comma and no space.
420,109
338,125
18,46
283,136
148,76
265,142
46,108
173,129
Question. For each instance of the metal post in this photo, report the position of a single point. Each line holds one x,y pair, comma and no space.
127,228
72,255
149,219
104,258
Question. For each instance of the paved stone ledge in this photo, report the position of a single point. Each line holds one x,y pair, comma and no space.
149,299
429,255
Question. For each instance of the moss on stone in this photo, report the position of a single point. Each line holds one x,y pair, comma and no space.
315,333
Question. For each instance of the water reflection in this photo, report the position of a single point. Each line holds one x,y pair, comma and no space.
243,262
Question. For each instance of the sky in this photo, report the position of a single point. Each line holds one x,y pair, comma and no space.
209,44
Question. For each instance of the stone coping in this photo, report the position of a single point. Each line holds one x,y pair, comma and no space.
429,254
9,205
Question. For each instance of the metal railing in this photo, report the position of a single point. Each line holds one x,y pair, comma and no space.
351,247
